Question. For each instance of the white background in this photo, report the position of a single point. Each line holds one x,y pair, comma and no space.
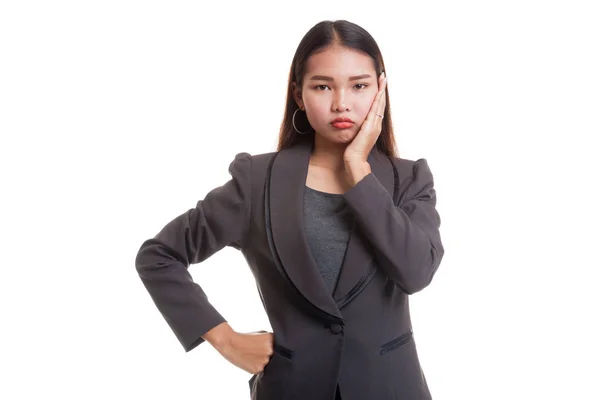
117,116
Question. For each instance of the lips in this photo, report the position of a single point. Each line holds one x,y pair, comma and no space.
341,120
342,123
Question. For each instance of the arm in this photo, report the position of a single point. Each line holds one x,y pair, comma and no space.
406,239
220,219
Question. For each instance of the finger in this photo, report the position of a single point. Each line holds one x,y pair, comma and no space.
370,124
381,92
381,107
375,105
382,82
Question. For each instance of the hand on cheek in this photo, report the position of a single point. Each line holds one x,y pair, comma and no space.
360,147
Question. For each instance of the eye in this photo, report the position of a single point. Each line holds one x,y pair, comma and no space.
360,86
321,87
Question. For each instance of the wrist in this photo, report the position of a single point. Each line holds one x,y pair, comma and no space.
356,171
219,336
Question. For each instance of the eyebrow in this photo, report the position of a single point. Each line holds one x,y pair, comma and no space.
329,78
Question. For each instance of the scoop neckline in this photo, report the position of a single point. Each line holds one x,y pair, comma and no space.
323,193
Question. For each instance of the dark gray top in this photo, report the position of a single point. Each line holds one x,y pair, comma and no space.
327,223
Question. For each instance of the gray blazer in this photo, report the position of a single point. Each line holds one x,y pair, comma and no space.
361,337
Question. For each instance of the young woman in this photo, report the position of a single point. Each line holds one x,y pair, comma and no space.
336,228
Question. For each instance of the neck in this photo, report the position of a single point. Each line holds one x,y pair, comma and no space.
328,155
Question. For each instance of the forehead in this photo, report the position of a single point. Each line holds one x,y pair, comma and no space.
338,61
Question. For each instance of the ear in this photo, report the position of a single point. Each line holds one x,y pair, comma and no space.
297,91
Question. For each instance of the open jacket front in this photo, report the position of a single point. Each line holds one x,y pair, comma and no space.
361,337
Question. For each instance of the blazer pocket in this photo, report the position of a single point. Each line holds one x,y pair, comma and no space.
394,344
283,351
278,351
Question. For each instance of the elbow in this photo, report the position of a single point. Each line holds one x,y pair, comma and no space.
415,285
141,266
140,259
422,274
143,257
139,262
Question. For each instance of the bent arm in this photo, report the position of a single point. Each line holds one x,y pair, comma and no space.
406,239
220,219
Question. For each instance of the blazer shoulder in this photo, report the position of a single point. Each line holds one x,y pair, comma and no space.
403,163
251,167
414,177
405,168
261,160
260,164
410,168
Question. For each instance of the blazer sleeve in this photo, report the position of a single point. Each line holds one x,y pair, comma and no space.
220,219
406,239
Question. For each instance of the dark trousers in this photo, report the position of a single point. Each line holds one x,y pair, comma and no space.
338,395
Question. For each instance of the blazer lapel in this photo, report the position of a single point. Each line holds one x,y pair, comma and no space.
286,195
286,210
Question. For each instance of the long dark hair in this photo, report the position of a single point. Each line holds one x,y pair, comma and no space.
320,36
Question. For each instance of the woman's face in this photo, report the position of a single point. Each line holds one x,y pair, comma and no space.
339,83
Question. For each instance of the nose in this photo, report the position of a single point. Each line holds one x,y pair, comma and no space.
339,101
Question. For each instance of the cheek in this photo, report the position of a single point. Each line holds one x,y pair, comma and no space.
315,103
317,109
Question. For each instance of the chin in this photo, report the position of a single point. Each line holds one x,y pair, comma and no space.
340,136
343,136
